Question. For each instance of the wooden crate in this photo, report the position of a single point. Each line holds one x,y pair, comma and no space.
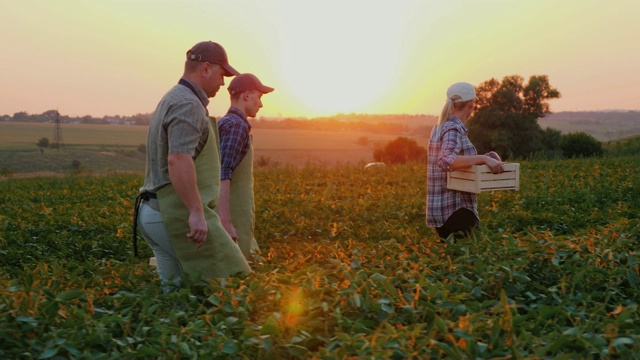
478,178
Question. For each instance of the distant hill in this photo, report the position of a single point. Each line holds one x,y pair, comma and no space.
603,125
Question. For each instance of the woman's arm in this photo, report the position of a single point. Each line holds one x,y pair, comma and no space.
463,161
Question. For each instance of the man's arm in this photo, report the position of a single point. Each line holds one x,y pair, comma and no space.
224,208
182,173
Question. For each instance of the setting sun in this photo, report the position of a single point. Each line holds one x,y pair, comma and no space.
337,66
322,57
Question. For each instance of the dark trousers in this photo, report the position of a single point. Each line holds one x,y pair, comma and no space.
460,223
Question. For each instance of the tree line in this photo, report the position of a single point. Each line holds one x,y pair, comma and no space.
53,115
405,124
505,120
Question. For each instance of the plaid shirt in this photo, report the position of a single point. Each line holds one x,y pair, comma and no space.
234,141
180,125
442,202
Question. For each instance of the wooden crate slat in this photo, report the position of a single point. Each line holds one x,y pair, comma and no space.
479,178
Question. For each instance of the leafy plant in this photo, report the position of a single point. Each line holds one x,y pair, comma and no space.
580,144
43,142
347,269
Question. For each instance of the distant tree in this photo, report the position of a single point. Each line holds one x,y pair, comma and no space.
400,151
505,119
141,119
48,116
551,143
43,142
580,144
21,115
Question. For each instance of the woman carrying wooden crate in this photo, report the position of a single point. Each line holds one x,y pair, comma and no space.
453,212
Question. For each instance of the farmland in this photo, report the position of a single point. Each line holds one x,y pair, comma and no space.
348,268
114,148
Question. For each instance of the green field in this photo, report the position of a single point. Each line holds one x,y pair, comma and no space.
348,269
110,148
17,136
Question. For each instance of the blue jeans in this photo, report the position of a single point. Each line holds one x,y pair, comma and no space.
153,231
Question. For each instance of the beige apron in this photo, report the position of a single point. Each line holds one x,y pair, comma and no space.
220,256
242,204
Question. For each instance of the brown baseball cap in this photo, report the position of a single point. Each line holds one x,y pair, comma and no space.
247,82
211,52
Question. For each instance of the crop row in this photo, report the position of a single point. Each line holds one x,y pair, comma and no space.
347,268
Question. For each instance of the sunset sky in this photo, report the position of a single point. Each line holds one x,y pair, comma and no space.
118,57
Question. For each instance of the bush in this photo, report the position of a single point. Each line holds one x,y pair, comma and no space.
43,142
400,151
580,144
76,164
142,148
624,147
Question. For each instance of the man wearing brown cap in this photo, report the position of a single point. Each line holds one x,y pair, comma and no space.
177,214
236,205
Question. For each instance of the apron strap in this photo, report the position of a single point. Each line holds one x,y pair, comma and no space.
136,209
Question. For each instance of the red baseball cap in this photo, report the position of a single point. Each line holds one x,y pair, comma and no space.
247,82
211,52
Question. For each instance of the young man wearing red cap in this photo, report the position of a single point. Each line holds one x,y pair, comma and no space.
236,204
175,215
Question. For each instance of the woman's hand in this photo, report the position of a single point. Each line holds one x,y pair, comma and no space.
493,164
494,155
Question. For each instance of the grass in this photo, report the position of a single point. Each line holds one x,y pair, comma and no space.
97,144
24,136
348,270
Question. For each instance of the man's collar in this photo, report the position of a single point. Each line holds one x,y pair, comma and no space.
238,112
197,90
235,110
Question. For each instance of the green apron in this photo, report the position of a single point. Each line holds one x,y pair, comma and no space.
242,204
220,256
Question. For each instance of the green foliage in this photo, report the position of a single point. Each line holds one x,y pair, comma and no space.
400,151
580,144
5,171
43,142
348,269
551,142
505,119
59,161
626,147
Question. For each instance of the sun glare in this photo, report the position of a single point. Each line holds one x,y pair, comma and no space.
342,66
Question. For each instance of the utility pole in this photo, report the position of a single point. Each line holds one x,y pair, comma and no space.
57,133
